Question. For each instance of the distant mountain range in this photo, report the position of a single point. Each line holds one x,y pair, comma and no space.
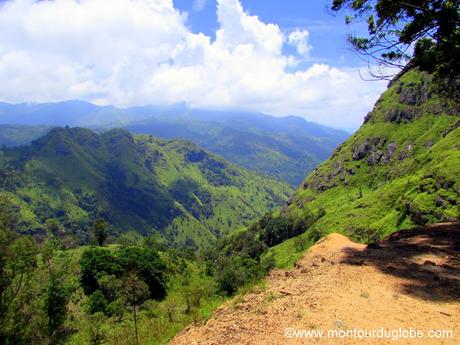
286,148
172,189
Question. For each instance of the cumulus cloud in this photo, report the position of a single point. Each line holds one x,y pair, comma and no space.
130,52
299,39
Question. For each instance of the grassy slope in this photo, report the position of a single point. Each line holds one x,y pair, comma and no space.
141,183
419,184
280,148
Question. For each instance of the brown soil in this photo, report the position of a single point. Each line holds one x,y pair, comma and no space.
409,280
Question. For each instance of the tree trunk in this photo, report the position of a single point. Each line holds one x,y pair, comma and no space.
135,325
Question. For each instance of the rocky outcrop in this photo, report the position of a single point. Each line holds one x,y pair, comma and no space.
412,99
388,156
372,148
375,157
406,152
401,115
414,93
376,152
373,151
360,151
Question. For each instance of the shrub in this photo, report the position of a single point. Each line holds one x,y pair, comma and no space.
104,270
97,303
229,280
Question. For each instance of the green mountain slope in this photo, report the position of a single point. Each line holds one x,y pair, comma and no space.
286,148
171,188
402,168
17,135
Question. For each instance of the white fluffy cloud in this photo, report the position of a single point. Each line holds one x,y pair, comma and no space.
127,52
299,39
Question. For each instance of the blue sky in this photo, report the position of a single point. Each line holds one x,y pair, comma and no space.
327,31
277,57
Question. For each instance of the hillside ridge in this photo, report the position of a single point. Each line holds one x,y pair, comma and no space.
285,148
174,189
343,285
400,169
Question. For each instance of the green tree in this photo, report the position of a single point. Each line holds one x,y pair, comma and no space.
95,263
229,277
135,292
48,249
110,286
17,261
55,305
148,266
432,26
171,306
100,231
97,303
193,295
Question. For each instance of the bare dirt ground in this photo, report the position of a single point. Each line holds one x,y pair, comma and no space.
410,280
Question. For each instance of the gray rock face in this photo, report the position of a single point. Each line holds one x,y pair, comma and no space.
371,148
400,115
413,101
408,96
375,157
374,150
351,171
361,150
439,201
388,156
288,203
406,152
414,93
367,117
411,97
321,183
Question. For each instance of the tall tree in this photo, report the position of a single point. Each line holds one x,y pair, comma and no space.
100,231
136,292
17,260
55,305
395,27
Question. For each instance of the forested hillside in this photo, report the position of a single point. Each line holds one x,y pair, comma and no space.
402,168
156,224
138,184
286,148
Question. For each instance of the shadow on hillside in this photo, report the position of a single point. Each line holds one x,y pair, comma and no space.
428,258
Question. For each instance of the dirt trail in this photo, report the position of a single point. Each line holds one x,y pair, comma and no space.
410,280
